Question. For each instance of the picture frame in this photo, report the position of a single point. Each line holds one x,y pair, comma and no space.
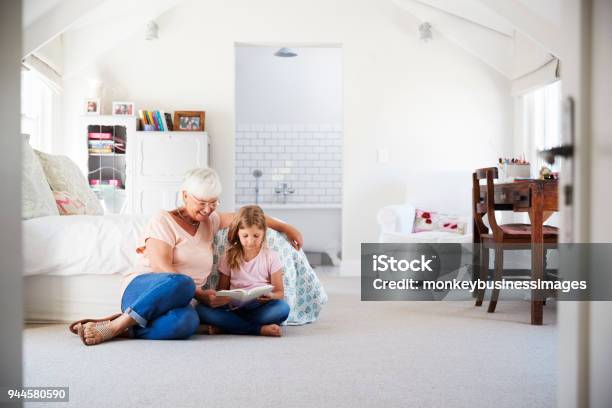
189,121
124,108
91,106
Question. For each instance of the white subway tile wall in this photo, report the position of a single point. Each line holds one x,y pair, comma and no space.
308,157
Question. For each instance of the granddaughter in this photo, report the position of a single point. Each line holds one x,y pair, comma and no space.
247,263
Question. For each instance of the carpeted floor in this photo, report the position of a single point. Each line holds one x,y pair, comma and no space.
359,354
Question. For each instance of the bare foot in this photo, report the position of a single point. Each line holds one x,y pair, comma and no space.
97,332
271,330
209,329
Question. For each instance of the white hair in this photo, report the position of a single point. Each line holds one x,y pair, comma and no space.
202,182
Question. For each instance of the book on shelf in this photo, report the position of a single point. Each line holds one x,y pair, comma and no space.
149,118
168,120
143,117
100,136
155,123
159,121
100,143
101,151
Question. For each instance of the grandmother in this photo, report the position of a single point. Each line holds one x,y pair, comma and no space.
174,261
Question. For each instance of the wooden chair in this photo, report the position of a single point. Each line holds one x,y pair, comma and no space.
500,237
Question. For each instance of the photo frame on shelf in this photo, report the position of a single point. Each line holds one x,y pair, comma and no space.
91,106
189,121
123,109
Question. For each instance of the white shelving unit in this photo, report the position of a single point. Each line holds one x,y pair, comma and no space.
104,169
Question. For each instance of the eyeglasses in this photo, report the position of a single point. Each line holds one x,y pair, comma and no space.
204,204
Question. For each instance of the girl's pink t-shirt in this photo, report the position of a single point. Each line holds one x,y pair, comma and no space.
191,255
256,272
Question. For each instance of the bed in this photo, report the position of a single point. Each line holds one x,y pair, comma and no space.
73,267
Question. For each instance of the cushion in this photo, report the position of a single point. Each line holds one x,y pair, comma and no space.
525,229
36,196
67,204
432,221
64,175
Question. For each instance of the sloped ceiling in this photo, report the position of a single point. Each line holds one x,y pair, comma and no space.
92,25
549,10
33,9
512,36
470,26
507,35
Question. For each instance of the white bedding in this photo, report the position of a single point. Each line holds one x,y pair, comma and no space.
81,244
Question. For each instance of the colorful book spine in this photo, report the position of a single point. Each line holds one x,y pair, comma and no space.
143,117
160,121
150,118
157,125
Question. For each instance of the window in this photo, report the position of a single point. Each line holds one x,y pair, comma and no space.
541,123
37,104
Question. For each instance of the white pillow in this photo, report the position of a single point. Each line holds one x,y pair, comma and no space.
64,175
36,196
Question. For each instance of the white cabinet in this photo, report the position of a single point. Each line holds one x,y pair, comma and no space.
157,162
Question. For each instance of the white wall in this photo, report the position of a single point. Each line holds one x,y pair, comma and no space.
432,105
302,89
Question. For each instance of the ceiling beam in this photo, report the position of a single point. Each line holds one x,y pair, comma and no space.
527,22
461,17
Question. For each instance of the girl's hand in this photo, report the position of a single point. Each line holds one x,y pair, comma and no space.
218,301
203,295
264,298
270,296
209,298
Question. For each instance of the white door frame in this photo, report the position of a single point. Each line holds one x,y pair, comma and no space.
585,328
11,275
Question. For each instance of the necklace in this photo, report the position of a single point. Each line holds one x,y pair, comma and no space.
178,211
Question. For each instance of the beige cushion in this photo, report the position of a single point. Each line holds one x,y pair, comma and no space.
36,196
64,175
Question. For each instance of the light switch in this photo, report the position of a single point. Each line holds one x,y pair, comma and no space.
383,156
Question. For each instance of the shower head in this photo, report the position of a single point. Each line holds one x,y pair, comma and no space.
257,173
285,52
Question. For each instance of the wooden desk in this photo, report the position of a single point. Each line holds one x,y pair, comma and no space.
538,198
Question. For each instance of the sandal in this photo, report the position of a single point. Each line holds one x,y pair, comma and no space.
73,326
101,327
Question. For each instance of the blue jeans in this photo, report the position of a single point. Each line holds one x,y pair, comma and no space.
246,320
159,302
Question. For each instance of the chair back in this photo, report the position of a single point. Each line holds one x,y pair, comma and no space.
485,205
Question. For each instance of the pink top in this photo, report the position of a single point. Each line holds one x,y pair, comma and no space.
191,255
256,272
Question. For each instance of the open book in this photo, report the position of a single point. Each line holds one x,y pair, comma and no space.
241,296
